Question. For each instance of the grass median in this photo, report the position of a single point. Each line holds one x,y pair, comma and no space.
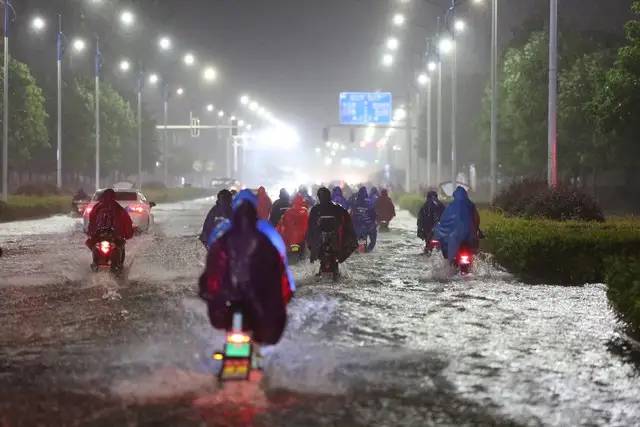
33,207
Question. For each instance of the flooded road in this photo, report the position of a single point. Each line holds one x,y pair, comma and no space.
399,341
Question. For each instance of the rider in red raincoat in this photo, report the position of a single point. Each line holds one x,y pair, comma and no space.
294,223
264,204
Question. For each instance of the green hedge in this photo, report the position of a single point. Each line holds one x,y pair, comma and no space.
411,202
30,207
566,253
623,281
33,207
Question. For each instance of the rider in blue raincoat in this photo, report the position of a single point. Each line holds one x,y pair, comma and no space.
338,198
374,195
363,214
263,226
459,225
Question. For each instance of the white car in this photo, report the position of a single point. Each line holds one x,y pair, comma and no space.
133,201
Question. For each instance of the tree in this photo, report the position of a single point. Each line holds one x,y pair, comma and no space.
618,104
27,115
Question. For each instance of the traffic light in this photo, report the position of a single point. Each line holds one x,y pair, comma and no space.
325,135
234,127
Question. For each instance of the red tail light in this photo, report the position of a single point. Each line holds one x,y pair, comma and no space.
465,259
137,208
88,209
105,247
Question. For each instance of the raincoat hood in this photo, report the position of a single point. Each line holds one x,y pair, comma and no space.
262,192
298,202
362,194
432,196
245,196
460,194
374,192
337,192
284,195
384,193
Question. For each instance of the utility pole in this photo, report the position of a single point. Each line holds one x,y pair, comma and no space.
165,145
439,128
60,52
5,105
552,164
429,135
140,89
494,101
408,143
98,66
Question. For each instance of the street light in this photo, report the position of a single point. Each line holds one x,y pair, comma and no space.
446,45
253,106
432,66
392,43
210,74
125,65
79,45
180,91
398,20
244,100
210,108
423,79
459,26
154,79
189,59
38,24
387,60
164,43
221,114
127,17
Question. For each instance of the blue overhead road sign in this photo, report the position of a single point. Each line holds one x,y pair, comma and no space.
363,108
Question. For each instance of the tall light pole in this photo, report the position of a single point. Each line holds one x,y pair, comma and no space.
97,119
494,101
454,102
439,127
139,115
552,162
5,105
60,51
165,148
429,133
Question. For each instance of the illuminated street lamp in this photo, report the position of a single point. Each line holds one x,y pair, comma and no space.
180,91
432,66
79,45
392,43
154,79
210,74
164,43
38,24
398,20
446,45
189,59
210,108
253,106
244,100
460,26
221,114
387,60
125,65
423,79
127,18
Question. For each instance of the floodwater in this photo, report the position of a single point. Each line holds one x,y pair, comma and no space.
400,340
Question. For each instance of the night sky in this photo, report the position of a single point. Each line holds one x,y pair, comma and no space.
295,56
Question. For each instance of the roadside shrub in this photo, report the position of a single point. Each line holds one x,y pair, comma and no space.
534,199
565,253
411,202
515,198
154,185
31,207
37,190
623,282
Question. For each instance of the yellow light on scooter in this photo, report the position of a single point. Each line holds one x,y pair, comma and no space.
238,338
218,356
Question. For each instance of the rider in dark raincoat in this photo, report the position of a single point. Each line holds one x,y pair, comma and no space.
279,207
429,216
385,210
458,226
264,204
338,198
364,218
347,241
219,212
245,268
